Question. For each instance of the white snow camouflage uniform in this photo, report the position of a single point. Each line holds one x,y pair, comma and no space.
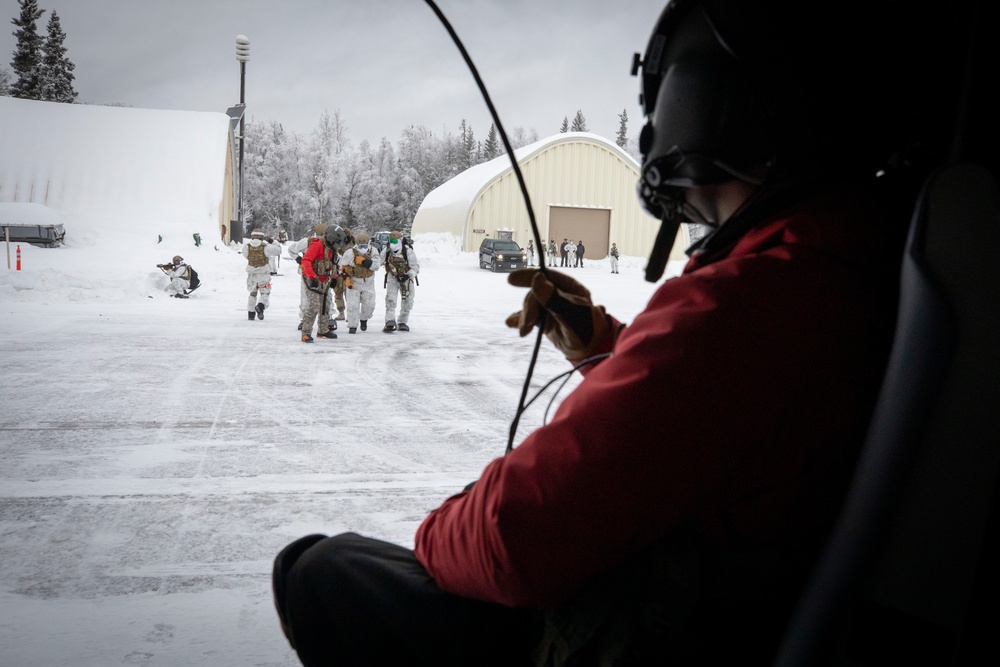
257,254
359,298
397,265
180,279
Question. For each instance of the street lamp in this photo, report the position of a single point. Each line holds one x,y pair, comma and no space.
242,55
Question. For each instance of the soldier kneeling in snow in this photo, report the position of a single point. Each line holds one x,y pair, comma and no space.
183,279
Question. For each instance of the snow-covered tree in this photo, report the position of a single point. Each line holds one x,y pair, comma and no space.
565,125
57,72
375,194
492,148
622,138
579,122
326,154
5,81
521,137
272,179
468,153
27,61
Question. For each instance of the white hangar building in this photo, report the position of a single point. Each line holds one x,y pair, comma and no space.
582,187
156,169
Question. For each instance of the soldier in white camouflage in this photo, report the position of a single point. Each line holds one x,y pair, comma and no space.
401,269
358,265
258,256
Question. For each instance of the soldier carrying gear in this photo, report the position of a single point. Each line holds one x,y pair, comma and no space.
338,289
319,272
358,265
295,250
258,254
183,278
401,262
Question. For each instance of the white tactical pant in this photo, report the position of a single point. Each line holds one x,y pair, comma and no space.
392,296
360,301
259,285
177,286
614,264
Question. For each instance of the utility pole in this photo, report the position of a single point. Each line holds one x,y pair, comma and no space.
242,55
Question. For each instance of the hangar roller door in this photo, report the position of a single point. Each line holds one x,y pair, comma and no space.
591,225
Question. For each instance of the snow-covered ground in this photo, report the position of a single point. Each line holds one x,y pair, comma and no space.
156,453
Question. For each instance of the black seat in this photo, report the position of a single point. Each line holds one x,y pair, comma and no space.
908,575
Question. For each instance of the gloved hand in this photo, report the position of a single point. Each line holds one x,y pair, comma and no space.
411,274
358,259
367,263
298,259
270,239
574,325
314,283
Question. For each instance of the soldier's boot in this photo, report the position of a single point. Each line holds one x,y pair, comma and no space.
260,310
351,330
327,334
306,338
364,325
251,315
403,326
390,326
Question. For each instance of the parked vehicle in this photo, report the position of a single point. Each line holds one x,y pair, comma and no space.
501,255
43,236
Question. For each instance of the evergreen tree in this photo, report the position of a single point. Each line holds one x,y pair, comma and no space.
27,61
491,148
57,73
579,122
565,125
467,155
5,82
622,138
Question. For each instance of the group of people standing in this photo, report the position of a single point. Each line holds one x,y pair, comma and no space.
338,274
569,252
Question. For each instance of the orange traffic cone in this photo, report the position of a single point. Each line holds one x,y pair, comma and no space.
18,257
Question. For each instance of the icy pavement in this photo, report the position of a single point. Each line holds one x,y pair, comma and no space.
156,453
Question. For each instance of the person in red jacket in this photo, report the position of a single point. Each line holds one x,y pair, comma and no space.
670,511
319,273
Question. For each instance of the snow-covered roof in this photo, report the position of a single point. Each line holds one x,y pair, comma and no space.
144,164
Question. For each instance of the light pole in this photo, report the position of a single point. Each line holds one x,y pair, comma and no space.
242,55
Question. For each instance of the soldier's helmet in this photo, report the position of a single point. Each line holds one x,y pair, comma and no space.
362,238
319,229
177,260
334,237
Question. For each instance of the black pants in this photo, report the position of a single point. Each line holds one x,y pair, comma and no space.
352,600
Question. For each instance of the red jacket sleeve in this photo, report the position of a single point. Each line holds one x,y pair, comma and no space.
312,253
728,406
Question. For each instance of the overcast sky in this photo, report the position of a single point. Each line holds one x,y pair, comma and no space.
384,64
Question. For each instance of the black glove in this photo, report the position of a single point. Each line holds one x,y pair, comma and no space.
269,239
314,283
403,278
333,281
367,263
298,260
